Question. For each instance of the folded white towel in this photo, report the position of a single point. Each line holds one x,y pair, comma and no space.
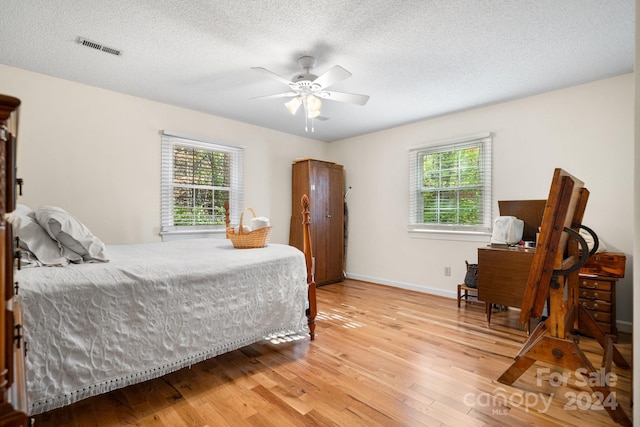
259,222
245,229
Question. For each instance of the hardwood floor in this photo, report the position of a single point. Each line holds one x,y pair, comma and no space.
382,357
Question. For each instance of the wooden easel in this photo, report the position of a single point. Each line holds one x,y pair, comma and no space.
554,276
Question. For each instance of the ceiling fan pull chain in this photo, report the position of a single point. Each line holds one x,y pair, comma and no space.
306,114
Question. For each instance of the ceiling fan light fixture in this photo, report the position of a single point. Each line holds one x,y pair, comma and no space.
312,106
314,103
293,105
307,89
312,114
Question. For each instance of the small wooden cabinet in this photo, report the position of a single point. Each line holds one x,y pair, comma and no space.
598,295
13,402
323,182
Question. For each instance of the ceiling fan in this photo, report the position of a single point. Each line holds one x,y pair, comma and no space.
307,88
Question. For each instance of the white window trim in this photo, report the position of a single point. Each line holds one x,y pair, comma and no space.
481,233
236,195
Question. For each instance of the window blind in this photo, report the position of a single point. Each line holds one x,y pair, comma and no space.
450,185
197,178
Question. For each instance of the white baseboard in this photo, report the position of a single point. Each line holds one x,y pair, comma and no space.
402,285
624,326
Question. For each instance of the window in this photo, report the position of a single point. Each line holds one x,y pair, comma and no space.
198,177
450,186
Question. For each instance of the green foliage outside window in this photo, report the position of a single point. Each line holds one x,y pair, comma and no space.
202,181
452,187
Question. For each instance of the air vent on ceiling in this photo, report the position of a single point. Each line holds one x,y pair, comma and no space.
98,46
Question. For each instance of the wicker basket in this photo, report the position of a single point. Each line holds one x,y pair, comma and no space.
253,239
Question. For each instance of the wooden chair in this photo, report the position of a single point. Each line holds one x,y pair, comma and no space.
554,276
467,293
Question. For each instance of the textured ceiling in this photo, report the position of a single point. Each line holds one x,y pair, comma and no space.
415,59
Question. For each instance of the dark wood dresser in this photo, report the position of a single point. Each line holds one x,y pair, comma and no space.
597,288
12,376
598,295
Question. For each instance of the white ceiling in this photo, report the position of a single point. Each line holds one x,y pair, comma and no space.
415,58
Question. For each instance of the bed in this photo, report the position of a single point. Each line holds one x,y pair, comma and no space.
155,308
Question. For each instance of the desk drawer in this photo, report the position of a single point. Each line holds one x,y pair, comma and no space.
600,285
607,328
595,295
596,305
600,316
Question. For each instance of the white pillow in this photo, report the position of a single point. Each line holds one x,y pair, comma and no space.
78,242
25,210
35,241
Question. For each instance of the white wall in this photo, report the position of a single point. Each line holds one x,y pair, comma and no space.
96,153
587,130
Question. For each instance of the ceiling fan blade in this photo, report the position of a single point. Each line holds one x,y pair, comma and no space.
351,98
334,75
277,95
272,75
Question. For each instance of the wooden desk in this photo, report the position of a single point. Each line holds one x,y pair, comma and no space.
502,276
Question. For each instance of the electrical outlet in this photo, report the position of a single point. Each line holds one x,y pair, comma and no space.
447,271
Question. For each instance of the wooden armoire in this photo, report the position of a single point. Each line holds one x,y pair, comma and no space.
13,400
323,182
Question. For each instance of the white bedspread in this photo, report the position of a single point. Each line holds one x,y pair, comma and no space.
155,308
